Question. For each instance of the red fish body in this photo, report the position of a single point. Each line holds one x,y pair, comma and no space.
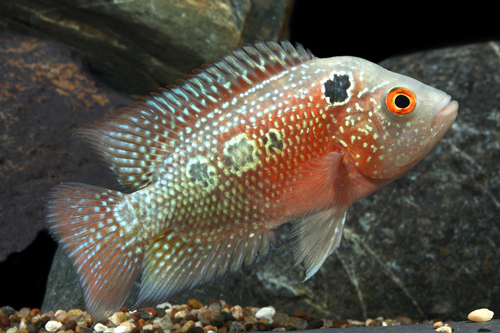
266,135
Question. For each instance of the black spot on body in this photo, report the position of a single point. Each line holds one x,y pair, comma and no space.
336,89
272,140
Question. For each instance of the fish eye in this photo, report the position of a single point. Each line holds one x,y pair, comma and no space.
400,101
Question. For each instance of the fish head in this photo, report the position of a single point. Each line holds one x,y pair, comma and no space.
411,120
390,121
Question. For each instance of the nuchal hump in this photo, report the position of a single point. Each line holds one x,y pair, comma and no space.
214,164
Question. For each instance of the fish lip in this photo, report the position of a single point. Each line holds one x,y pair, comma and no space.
447,112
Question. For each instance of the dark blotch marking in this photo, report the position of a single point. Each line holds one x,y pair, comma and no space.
241,154
336,89
200,174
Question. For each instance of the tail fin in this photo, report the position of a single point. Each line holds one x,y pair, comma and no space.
97,230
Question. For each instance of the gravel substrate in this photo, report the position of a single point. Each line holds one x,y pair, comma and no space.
192,317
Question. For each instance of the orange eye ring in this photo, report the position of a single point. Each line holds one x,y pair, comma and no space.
400,101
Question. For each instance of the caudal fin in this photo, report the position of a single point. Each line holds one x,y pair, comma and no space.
97,230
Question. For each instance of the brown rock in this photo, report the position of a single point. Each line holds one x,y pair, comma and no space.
207,328
194,304
187,326
4,321
137,47
70,325
151,310
300,314
403,320
34,312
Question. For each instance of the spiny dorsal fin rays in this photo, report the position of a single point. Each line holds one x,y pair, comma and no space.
136,140
92,225
173,264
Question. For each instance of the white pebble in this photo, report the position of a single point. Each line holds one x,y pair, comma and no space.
445,329
122,329
268,313
52,326
100,327
148,327
23,324
164,305
480,315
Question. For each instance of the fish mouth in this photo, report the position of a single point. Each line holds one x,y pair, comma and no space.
447,113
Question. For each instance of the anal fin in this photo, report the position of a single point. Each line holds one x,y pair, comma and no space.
174,263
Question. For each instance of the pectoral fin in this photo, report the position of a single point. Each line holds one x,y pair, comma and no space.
316,236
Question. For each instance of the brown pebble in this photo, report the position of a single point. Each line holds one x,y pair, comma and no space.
338,323
197,329
191,317
194,304
207,328
4,321
70,325
300,314
15,319
34,312
141,322
23,330
75,312
173,312
136,330
438,324
188,326
404,320
151,310
85,330
260,326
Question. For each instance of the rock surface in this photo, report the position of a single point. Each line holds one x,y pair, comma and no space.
137,46
44,96
423,246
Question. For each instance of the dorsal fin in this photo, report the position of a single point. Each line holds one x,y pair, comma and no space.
135,140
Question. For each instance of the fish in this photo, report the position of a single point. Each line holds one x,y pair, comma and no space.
211,166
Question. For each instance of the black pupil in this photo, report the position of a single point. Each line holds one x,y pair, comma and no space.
402,101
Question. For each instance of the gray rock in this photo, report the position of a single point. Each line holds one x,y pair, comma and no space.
45,96
423,246
137,46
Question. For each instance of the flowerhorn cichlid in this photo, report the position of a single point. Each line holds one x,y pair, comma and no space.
266,135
